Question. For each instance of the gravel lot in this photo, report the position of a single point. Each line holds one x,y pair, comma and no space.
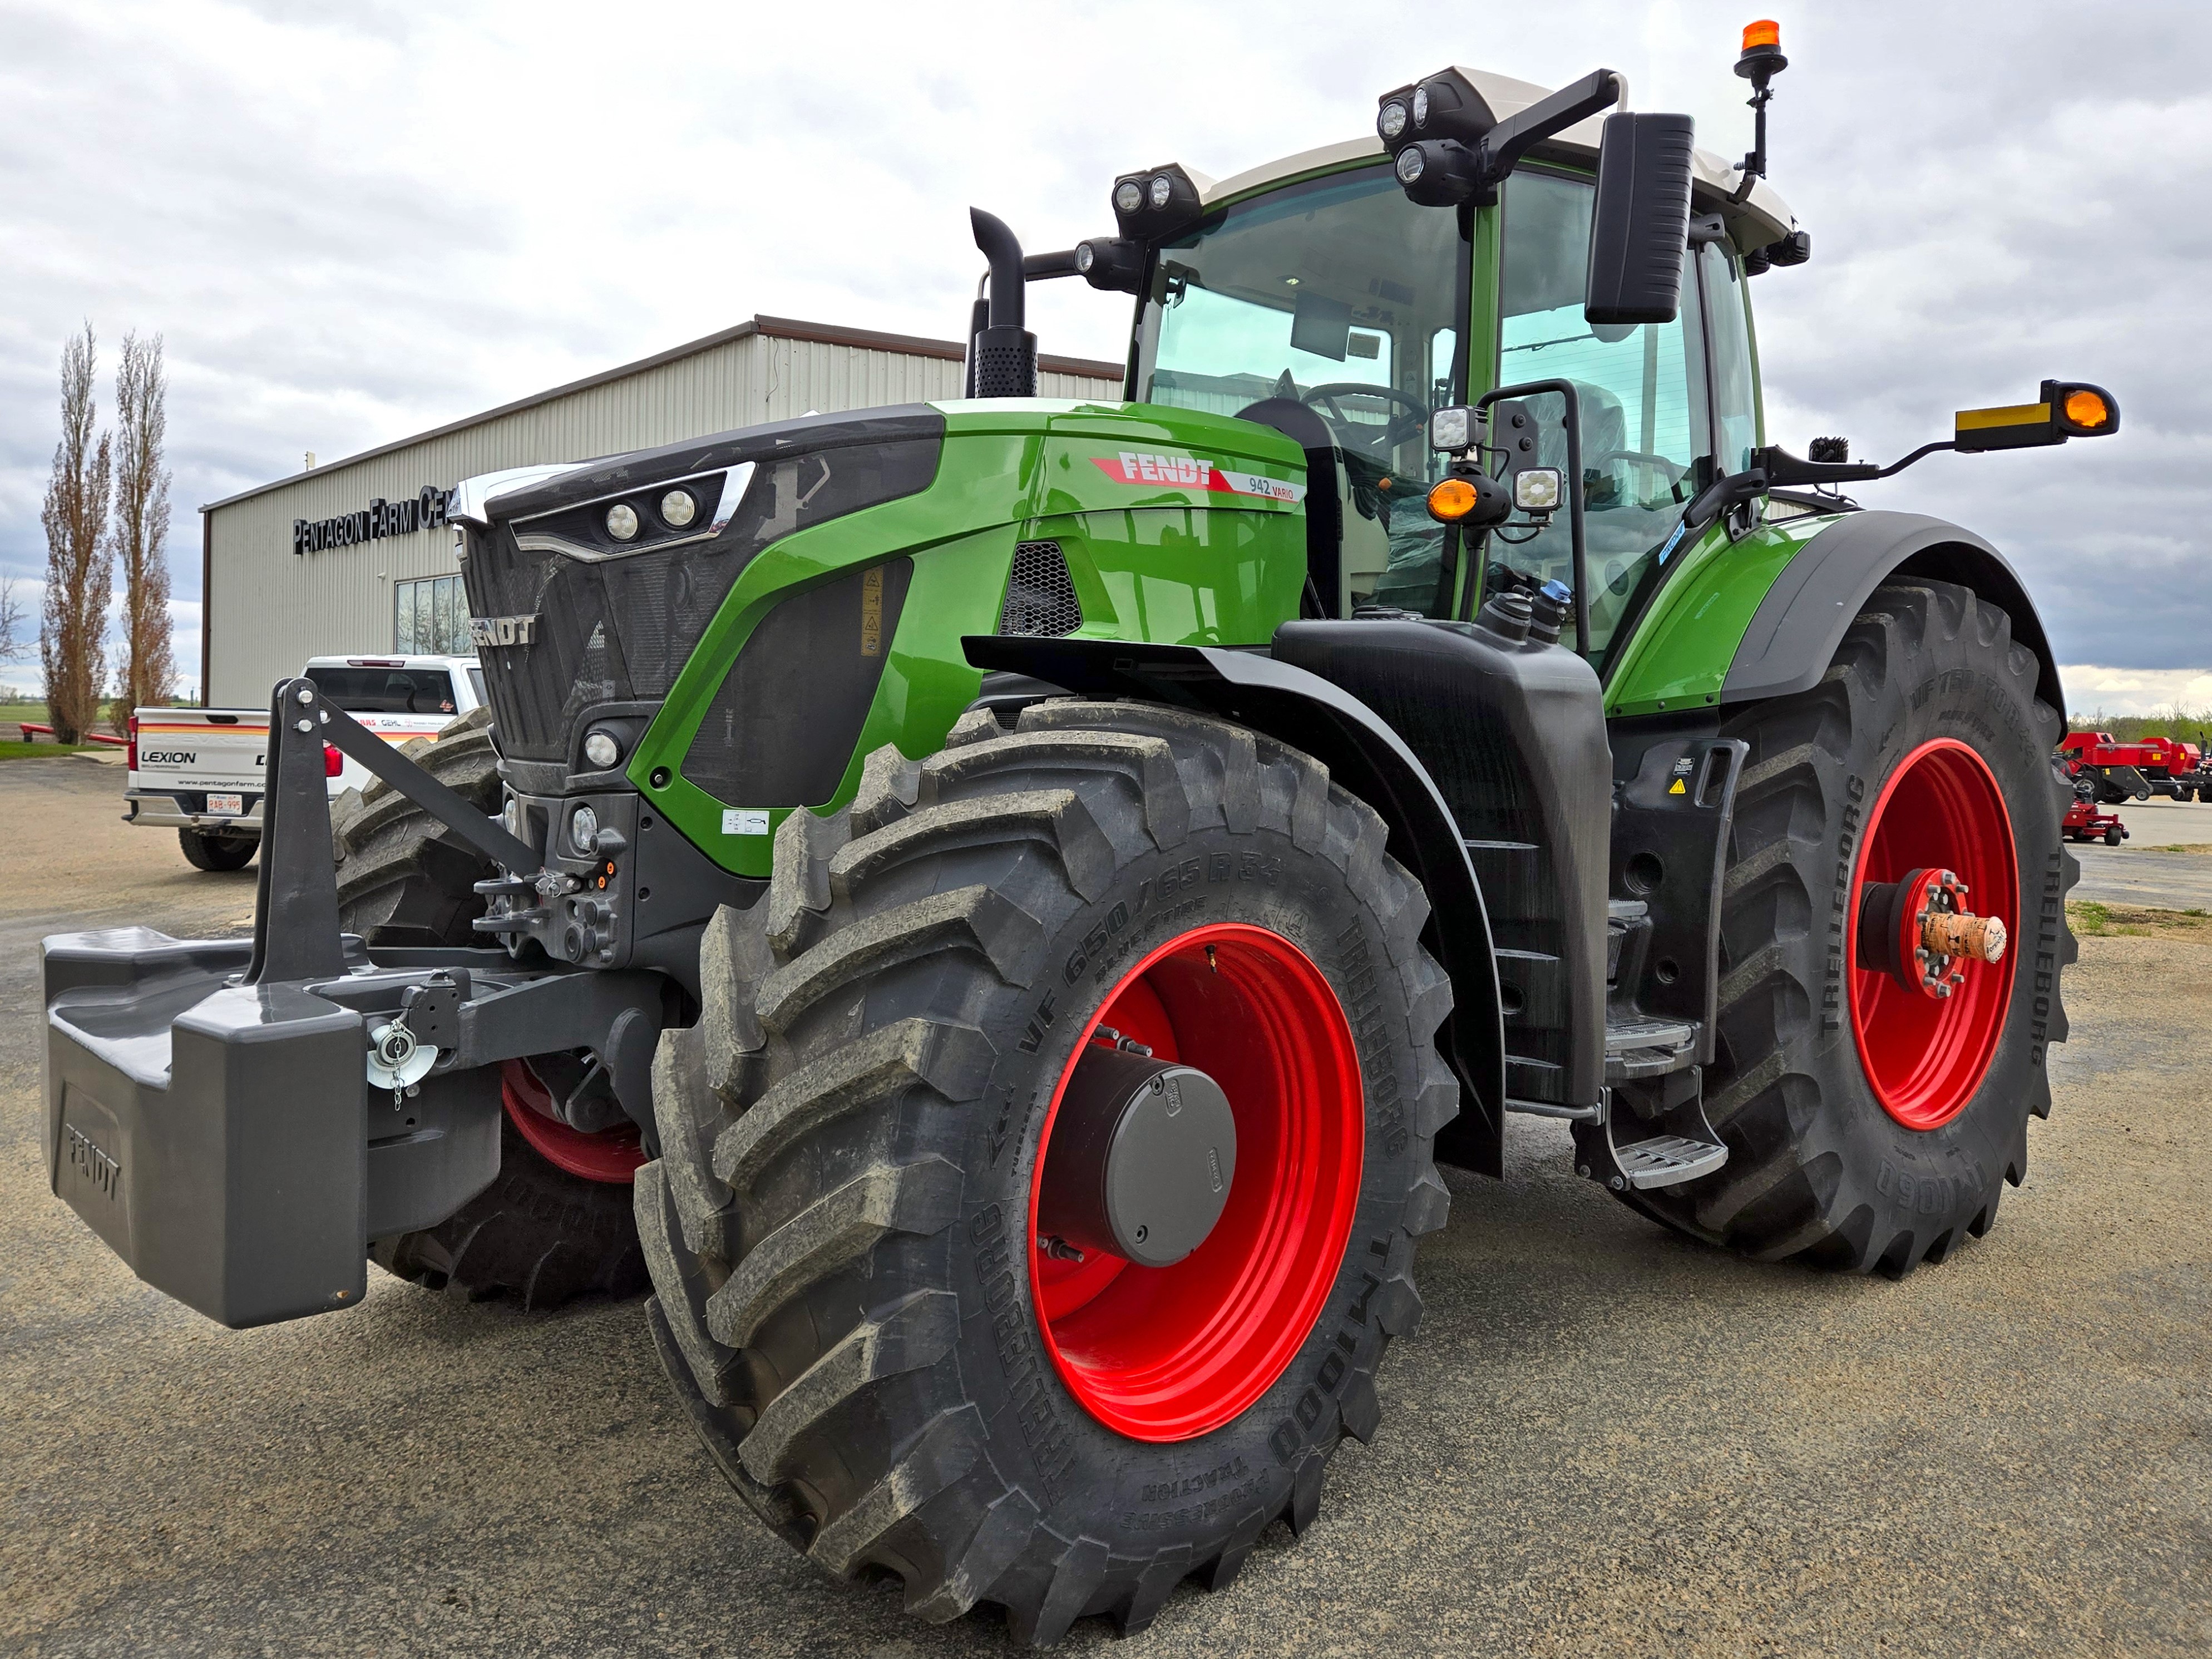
1605,1439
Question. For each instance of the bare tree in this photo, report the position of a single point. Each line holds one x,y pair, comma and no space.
142,526
14,646
78,571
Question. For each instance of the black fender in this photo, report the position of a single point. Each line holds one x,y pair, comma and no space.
1794,634
1369,760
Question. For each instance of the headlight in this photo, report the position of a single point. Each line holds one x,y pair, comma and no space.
511,816
1452,429
1390,120
584,830
1410,164
1128,196
1163,187
1420,106
678,508
622,520
601,750
1085,256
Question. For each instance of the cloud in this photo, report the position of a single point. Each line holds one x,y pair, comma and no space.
357,223
2096,692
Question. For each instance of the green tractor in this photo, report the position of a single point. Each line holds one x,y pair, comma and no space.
1019,895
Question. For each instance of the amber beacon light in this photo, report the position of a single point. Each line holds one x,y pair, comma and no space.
1452,500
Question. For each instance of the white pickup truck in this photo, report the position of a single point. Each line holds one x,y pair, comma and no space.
199,771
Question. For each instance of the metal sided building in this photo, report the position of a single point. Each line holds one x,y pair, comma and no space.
353,558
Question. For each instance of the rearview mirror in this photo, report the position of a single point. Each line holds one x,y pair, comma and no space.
1641,222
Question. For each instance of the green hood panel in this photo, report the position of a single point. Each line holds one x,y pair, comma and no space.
1678,656
1175,526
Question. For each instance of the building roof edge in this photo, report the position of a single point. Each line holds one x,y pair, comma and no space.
779,328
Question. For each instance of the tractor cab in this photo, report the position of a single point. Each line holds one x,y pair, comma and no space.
1319,296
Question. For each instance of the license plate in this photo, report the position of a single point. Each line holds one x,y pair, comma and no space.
233,805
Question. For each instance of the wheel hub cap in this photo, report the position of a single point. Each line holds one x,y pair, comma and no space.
1929,982
1920,932
1143,1153
1245,1028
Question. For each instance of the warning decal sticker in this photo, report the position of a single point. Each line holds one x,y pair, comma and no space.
1190,472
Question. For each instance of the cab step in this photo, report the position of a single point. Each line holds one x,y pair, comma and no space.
1668,1160
1640,1046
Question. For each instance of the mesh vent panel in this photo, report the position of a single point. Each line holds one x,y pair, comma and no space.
1040,597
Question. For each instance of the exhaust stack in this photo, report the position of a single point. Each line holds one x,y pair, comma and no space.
1002,355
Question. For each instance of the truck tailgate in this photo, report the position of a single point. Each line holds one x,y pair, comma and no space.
200,750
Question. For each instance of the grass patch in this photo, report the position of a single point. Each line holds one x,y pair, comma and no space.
2090,919
2181,847
2188,725
40,750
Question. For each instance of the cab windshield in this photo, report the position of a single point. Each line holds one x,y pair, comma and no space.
1341,296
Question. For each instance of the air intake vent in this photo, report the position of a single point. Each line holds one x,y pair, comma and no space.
1039,597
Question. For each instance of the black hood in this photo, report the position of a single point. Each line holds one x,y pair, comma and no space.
897,423
572,620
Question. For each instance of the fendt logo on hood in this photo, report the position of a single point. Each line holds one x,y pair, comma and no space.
1191,472
485,632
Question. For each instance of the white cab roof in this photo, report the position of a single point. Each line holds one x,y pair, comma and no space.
1764,216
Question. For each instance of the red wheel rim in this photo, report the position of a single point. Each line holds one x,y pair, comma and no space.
1925,1059
1169,1353
611,1156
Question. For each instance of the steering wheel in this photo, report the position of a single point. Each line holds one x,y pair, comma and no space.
1672,471
1394,430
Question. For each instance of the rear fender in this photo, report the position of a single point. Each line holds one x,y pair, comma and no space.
1369,760
1793,635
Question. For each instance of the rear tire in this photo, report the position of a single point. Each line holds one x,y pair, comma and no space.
541,1233
204,850
1818,1168
840,1226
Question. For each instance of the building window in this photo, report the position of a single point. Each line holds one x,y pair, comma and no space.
430,618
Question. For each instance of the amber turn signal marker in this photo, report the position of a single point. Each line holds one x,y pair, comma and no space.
2085,408
1452,500
1764,33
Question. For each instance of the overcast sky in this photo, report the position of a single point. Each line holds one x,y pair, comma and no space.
353,223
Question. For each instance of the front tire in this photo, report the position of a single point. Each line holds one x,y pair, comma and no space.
542,1233
849,1293
404,877
1868,1129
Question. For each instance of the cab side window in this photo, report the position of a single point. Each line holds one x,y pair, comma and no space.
1641,390
1736,424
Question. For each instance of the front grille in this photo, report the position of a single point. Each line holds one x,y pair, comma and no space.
621,629
1040,595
